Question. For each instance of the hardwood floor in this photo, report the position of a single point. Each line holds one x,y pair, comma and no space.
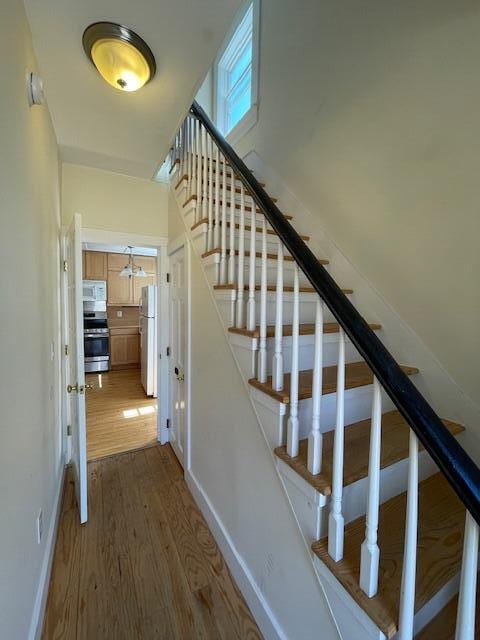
145,565
120,417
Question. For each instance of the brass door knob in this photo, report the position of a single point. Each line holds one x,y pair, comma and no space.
72,387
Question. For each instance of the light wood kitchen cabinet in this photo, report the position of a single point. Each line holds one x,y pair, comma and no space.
139,283
127,291
148,263
94,265
124,348
119,289
116,261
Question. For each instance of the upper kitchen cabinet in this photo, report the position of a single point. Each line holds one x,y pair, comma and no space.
139,283
148,263
94,265
116,261
119,289
127,291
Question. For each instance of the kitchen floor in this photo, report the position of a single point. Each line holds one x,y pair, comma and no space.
120,417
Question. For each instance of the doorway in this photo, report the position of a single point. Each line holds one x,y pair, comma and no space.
179,349
120,347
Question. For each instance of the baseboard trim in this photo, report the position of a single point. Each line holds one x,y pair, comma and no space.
36,624
264,617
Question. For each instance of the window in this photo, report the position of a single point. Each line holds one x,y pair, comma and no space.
236,76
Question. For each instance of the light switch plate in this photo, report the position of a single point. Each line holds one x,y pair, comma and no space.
119,314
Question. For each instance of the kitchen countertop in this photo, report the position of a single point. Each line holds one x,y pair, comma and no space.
122,325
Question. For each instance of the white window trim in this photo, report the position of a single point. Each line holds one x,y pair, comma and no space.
251,116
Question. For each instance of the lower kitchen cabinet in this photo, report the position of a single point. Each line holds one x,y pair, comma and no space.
124,348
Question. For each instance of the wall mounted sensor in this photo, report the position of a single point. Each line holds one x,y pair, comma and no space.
34,89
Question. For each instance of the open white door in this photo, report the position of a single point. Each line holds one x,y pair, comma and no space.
178,352
75,366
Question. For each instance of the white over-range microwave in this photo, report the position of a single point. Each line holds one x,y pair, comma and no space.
94,291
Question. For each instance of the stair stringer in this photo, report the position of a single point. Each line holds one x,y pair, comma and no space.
308,598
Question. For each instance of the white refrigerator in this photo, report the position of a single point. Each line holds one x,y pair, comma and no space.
148,339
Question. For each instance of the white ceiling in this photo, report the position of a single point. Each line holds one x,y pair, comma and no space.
95,124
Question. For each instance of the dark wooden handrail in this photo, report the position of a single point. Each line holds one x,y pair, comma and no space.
452,459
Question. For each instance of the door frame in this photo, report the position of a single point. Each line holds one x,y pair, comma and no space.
173,246
117,237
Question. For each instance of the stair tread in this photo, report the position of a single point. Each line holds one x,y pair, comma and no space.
395,437
441,520
258,254
357,374
442,626
273,287
248,208
307,329
248,227
239,190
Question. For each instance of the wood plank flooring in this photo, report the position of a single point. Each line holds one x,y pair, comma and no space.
145,566
120,417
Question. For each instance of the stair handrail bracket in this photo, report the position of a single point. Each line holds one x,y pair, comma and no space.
452,459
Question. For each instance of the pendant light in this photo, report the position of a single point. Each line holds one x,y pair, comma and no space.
121,57
130,270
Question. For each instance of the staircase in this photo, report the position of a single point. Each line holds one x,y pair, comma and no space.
378,483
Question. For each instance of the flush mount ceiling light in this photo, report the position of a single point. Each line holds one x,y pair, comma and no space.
121,57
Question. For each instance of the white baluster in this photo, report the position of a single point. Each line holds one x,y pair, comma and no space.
407,590
251,320
315,439
198,165
262,345
210,194
216,230
189,156
335,518
370,553
239,315
223,253
277,365
292,424
466,608
204,213
182,158
231,251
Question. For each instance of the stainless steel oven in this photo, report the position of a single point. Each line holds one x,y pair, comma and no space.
95,338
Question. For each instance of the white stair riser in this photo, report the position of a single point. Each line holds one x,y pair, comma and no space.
307,308
245,350
358,406
393,482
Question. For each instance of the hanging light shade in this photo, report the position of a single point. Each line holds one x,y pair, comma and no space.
130,270
126,271
121,57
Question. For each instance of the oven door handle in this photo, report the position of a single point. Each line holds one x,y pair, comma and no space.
95,335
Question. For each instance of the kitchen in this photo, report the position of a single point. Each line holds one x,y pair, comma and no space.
120,345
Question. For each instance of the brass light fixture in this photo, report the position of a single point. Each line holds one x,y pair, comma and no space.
121,57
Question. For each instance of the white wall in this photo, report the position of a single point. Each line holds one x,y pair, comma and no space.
30,441
233,466
114,202
370,114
